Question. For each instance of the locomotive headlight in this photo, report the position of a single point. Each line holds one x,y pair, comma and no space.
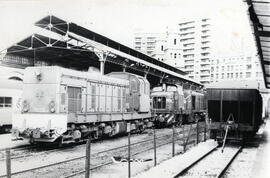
25,106
52,106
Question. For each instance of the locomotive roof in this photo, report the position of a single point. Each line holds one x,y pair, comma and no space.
84,75
10,84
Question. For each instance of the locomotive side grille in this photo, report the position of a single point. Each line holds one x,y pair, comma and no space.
159,102
74,99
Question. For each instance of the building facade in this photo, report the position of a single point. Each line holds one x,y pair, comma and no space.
164,47
237,68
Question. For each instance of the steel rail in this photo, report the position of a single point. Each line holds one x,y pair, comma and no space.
195,162
77,158
110,162
222,172
34,146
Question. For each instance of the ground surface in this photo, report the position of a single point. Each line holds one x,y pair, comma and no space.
6,142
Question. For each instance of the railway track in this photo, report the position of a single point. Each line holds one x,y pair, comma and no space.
213,164
32,150
111,162
160,140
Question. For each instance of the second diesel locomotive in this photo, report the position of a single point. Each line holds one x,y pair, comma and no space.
62,105
172,104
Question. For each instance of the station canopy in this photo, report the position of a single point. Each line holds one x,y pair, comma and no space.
259,12
71,45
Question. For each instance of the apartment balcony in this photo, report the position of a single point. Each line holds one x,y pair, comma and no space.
205,44
186,27
204,62
205,25
188,53
189,63
205,49
189,70
205,79
188,46
205,74
205,67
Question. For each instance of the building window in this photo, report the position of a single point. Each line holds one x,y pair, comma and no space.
222,75
248,74
249,66
228,75
241,74
175,55
161,47
236,75
174,41
222,68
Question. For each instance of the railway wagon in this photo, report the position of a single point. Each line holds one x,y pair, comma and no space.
61,105
236,110
10,92
172,104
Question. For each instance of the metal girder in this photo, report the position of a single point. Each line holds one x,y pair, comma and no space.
266,62
264,33
96,41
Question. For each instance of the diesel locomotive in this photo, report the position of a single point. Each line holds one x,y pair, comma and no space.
173,104
61,105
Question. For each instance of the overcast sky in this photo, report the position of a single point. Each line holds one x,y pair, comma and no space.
118,19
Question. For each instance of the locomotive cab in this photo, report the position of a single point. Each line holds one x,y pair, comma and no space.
167,103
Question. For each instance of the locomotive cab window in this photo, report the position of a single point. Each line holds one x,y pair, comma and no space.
5,102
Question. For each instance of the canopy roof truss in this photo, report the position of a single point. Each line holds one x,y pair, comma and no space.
259,12
72,44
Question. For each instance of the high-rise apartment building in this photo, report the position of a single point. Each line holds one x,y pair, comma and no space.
187,47
195,39
146,42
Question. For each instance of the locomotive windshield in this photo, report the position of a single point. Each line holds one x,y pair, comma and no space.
159,102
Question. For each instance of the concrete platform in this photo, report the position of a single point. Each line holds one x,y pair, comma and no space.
173,166
261,168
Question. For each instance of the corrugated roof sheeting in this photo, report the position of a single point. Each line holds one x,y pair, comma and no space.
260,21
